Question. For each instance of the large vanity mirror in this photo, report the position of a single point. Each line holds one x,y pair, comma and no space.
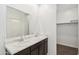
17,23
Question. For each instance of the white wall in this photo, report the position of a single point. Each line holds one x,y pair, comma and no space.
66,13
33,20
2,28
17,23
78,28
45,22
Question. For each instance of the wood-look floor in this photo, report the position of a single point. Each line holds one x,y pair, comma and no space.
65,50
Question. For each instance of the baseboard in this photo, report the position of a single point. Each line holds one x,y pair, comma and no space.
67,45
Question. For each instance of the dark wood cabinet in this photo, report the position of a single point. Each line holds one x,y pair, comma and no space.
45,47
24,52
40,48
34,52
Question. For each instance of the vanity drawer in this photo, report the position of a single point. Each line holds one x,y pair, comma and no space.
24,52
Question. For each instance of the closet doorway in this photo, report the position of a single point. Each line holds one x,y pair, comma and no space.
67,29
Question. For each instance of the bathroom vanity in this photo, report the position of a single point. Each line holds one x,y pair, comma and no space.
32,46
39,48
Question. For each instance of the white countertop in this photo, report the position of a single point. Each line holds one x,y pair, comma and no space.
18,46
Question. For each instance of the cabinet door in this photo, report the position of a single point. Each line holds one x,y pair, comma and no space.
34,52
46,47
35,49
41,49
